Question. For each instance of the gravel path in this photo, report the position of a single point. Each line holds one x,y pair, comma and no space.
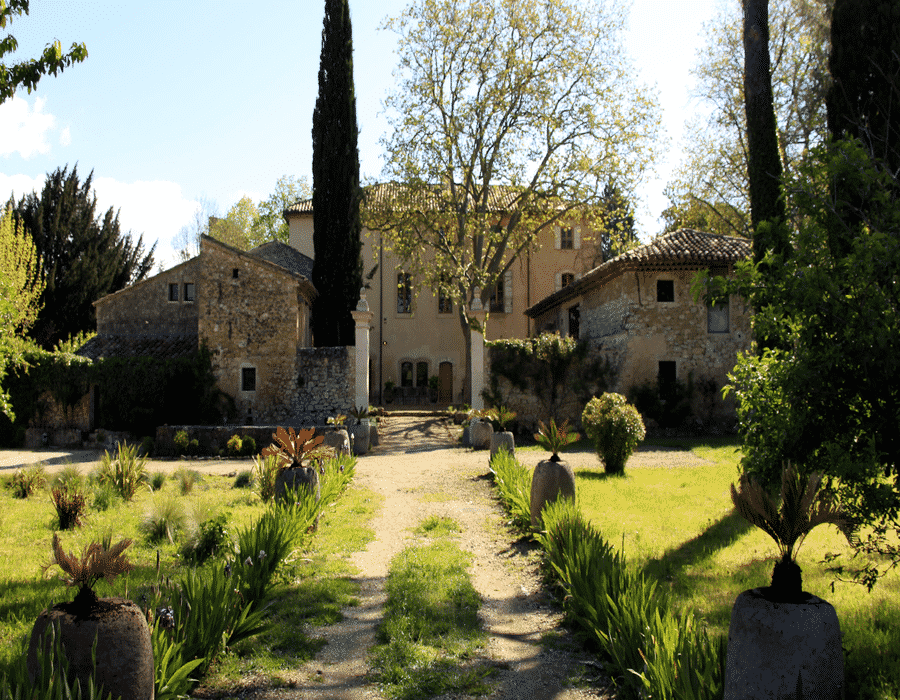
420,472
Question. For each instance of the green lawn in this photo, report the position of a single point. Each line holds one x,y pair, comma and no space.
677,524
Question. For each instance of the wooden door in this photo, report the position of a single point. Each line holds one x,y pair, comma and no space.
445,379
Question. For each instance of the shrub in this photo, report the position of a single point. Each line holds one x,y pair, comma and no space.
165,518
104,496
26,481
181,441
265,472
70,505
193,447
210,539
248,446
615,427
146,446
513,481
234,445
126,472
69,476
157,480
244,479
186,479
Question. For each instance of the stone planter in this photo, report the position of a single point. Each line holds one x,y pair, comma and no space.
776,648
481,435
374,439
339,440
360,435
503,441
467,436
550,481
296,478
124,660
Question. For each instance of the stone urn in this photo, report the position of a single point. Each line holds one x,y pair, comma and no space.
124,656
503,441
467,436
551,479
780,649
359,435
374,440
339,440
481,435
297,478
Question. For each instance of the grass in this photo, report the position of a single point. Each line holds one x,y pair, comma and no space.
311,586
430,631
678,526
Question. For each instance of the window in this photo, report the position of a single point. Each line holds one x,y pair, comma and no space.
173,292
574,321
406,374
248,378
497,298
189,291
567,279
665,290
421,374
234,273
404,293
717,317
445,304
567,239
666,379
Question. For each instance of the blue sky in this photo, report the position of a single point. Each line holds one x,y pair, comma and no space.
190,99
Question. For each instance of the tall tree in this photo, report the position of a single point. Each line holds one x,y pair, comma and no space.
20,291
270,224
83,254
763,159
710,188
27,73
337,270
508,119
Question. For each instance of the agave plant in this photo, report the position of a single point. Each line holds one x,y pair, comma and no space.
803,506
554,438
359,412
293,449
98,560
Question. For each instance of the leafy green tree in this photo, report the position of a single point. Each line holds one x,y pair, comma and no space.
270,224
337,270
83,254
235,228
825,395
27,73
20,291
508,118
710,190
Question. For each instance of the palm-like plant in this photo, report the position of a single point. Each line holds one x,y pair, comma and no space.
293,448
98,560
803,506
500,417
554,438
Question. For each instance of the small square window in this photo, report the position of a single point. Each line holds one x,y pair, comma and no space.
189,291
173,291
665,290
248,379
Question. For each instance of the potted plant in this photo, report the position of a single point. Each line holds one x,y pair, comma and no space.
782,641
389,391
502,439
123,659
480,429
292,451
434,385
359,430
552,477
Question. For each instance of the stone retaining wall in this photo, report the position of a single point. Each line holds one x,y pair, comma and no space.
212,438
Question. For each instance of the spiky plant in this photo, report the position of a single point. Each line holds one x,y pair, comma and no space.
555,437
98,560
500,416
292,448
803,507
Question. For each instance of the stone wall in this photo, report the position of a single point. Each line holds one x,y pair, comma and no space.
145,308
326,383
212,438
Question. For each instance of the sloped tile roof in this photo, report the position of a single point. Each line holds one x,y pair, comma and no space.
284,256
683,248
157,346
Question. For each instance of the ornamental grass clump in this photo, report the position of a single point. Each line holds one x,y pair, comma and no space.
126,472
70,505
513,481
803,506
25,482
615,427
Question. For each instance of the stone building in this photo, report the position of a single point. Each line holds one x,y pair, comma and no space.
252,310
416,333
638,311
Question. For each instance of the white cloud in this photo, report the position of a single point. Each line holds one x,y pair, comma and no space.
65,137
157,209
24,129
19,185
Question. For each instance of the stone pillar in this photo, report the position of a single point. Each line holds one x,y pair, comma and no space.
476,370
363,317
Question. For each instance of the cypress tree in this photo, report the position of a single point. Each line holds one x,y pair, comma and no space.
337,269
83,256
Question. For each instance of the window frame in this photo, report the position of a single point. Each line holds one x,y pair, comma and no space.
193,295
404,289
660,293
248,372
174,288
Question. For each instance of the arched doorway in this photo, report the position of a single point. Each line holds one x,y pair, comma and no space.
445,382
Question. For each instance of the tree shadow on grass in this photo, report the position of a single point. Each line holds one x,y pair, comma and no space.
593,475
